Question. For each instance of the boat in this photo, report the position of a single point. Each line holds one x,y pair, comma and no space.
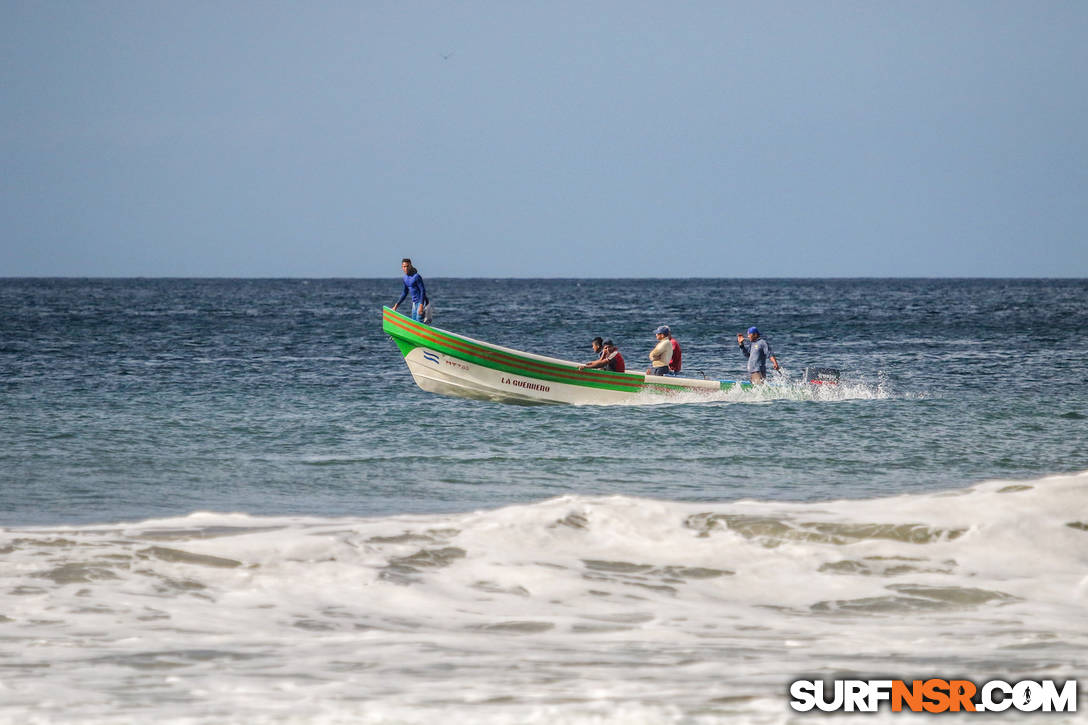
451,364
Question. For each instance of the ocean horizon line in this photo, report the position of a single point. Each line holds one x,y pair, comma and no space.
24,278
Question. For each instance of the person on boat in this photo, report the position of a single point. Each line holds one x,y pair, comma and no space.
610,359
413,284
661,354
674,361
758,352
598,346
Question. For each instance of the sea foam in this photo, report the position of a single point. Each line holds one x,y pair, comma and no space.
574,609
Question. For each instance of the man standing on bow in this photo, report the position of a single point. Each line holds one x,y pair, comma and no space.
758,352
413,284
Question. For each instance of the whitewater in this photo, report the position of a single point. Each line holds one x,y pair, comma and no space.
571,610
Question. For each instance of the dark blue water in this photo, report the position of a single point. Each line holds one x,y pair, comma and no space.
133,399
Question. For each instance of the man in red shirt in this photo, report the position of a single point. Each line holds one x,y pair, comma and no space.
674,361
610,359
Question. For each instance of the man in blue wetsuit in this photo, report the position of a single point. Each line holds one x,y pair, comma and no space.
413,284
757,352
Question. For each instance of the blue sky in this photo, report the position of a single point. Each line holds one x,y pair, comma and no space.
544,139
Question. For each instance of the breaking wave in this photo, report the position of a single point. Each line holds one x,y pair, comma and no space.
575,609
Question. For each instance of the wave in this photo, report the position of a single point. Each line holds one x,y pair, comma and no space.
560,609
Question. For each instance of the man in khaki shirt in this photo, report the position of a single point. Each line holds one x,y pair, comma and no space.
661,354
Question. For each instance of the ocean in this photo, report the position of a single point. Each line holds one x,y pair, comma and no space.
226,501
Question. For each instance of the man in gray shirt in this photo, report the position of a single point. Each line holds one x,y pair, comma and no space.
757,352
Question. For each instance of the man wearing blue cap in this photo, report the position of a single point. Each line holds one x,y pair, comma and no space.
661,354
758,352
